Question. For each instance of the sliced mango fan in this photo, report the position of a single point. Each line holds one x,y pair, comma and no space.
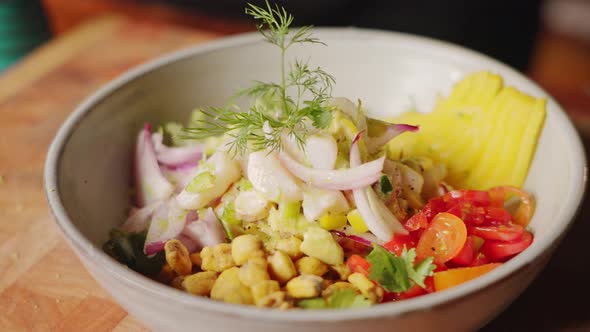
486,133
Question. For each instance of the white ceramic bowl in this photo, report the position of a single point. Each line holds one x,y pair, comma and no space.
87,172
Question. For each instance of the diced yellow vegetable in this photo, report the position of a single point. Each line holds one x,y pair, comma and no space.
486,133
290,209
330,222
319,243
356,221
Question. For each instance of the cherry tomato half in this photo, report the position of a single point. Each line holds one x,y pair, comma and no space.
524,212
416,222
508,232
499,250
443,239
466,255
475,197
358,264
397,243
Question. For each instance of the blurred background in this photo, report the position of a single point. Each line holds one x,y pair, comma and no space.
547,39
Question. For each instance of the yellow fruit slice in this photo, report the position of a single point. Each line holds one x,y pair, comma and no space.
484,132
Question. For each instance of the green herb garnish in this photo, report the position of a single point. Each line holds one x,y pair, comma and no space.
262,126
398,273
127,248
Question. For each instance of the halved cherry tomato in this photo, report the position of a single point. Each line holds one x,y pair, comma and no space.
497,215
455,208
508,232
474,215
443,239
466,255
498,250
524,212
433,207
397,243
416,222
475,197
358,264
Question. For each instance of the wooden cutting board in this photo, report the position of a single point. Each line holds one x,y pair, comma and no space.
44,287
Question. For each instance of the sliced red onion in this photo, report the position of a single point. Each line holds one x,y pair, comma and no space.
192,215
380,221
354,238
207,231
356,244
167,223
139,219
340,179
153,248
190,244
151,186
393,130
176,156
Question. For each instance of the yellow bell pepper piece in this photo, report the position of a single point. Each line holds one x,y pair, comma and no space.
453,277
330,222
356,221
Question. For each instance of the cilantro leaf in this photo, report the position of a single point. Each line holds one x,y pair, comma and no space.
398,273
388,270
418,273
347,298
321,118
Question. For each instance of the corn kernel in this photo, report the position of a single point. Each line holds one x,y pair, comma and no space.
218,258
253,272
245,246
277,300
196,259
262,289
356,221
305,286
330,222
290,246
200,283
311,265
369,290
281,267
228,288
177,257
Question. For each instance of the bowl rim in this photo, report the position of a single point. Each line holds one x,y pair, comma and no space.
159,291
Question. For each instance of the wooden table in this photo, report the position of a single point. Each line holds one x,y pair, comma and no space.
43,286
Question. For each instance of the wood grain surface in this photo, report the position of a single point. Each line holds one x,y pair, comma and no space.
44,287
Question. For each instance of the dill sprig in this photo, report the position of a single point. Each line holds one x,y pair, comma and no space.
262,128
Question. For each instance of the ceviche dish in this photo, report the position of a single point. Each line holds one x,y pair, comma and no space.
301,200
